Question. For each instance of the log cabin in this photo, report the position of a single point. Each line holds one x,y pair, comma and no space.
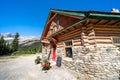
66,31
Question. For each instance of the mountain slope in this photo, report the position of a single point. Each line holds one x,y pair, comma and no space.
25,42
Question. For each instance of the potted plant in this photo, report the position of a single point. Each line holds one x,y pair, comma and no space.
46,65
37,60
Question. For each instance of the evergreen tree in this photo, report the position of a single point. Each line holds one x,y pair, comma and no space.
15,42
2,46
8,49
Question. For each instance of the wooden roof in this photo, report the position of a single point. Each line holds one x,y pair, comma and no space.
90,14
93,15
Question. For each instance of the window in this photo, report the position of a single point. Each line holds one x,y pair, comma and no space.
57,24
69,52
116,40
51,30
68,43
55,28
68,49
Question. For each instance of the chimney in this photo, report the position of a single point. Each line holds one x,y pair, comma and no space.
115,10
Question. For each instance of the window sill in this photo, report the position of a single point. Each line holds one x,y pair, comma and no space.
67,59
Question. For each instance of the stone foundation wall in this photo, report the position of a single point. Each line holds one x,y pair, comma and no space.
60,52
98,63
45,52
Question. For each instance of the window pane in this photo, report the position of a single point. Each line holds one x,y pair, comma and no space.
68,43
116,40
57,24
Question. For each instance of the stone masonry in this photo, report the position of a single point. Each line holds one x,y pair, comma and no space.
97,62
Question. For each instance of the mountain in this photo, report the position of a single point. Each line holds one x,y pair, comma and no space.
7,35
24,41
27,41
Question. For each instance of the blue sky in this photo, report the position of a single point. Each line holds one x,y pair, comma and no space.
28,17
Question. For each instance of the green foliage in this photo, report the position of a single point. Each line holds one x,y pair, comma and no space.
4,47
15,49
36,47
15,42
78,76
28,49
19,53
119,48
37,60
45,60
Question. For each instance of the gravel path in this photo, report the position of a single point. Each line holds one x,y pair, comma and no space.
23,68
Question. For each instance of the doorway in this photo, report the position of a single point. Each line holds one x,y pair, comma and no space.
68,52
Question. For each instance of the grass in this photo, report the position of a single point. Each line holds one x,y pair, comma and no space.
119,48
78,76
23,53
7,57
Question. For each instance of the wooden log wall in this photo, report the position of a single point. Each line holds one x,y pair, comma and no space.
88,35
91,35
84,37
76,42
69,35
103,40
60,45
80,36
104,34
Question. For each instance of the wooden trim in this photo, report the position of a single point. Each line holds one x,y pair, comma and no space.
76,44
113,42
52,18
72,16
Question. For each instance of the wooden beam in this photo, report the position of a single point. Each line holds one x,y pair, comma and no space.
103,42
106,34
52,18
106,22
105,29
87,22
106,25
97,22
70,35
115,22
101,22
71,32
70,38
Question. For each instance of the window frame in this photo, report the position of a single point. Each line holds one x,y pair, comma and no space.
117,44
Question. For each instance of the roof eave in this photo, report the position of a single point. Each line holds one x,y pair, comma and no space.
104,16
45,26
83,20
68,13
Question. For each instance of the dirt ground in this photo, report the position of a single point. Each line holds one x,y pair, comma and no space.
24,68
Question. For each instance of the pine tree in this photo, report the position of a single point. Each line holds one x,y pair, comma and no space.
15,42
8,49
2,45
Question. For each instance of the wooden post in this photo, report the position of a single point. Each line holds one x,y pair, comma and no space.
84,39
91,35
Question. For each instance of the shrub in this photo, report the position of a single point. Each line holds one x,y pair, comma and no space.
37,60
